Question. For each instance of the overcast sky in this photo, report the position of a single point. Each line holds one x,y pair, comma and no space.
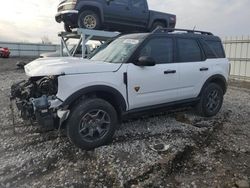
30,20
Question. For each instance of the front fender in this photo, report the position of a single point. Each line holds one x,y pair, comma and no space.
117,96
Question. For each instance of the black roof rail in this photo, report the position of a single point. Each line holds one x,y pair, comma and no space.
169,30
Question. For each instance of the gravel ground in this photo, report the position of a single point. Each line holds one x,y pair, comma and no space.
203,152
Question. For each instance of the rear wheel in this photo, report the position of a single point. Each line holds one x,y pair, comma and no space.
211,100
157,25
89,20
92,124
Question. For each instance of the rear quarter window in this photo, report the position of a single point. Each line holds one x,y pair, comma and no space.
217,48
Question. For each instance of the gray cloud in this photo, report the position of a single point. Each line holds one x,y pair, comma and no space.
222,17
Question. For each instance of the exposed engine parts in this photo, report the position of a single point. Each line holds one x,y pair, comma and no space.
32,98
34,88
47,86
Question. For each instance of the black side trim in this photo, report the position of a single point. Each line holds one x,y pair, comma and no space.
119,99
160,107
125,78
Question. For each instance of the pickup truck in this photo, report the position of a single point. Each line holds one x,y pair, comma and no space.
112,15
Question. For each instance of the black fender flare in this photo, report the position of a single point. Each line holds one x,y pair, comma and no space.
117,96
218,78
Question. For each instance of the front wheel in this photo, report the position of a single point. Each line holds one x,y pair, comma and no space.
67,28
92,124
211,100
89,20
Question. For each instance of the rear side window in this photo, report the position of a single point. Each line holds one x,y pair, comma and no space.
188,50
160,49
216,46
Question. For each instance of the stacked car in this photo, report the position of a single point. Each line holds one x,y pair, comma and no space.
112,15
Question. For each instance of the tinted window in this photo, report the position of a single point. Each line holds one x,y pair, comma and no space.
117,51
138,3
121,2
216,46
208,51
188,50
161,49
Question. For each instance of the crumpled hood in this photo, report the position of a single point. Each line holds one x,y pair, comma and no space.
67,65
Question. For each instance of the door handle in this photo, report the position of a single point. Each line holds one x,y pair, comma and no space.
170,72
204,69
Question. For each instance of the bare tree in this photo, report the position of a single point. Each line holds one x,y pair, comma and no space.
46,40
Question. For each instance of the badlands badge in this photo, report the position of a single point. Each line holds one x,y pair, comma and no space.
137,89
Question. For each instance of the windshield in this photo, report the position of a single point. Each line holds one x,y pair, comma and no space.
118,51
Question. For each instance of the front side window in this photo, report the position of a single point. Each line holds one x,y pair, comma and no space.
160,49
118,51
188,50
138,3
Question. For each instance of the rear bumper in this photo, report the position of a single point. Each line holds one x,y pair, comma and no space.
69,17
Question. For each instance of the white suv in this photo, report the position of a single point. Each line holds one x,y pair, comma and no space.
135,73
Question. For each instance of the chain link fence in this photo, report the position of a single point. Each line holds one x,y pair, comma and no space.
28,49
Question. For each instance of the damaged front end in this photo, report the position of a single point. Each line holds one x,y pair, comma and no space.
36,100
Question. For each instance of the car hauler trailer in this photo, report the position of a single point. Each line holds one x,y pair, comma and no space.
84,35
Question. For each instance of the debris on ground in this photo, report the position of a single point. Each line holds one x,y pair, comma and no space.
172,149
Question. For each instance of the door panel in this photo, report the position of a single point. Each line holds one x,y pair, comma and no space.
157,84
149,86
192,78
117,10
193,69
139,13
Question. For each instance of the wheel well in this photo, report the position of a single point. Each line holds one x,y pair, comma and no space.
221,83
219,80
162,21
111,96
95,9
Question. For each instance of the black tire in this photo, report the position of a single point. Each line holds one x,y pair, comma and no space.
92,17
67,28
157,24
90,111
211,100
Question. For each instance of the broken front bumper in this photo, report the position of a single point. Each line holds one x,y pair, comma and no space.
44,110
69,17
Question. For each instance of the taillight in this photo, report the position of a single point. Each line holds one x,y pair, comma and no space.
173,19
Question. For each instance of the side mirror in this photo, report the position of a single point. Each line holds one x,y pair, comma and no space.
145,61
